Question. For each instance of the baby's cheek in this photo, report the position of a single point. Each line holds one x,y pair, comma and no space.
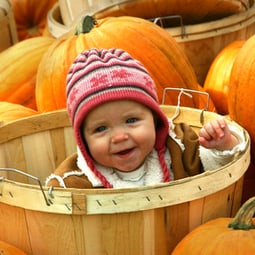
98,148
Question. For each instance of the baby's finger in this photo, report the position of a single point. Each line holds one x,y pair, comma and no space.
203,133
218,126
222,123
210,129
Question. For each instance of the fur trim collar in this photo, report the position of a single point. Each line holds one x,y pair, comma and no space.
148,174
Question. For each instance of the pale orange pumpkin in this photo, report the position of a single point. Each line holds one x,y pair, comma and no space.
11,112
18,70
31,16
217,78
226,236
143,40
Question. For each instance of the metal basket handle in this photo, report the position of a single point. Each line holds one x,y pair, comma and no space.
160,22
27,175
186,92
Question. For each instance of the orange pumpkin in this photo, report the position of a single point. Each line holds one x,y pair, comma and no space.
31,16
242,88
217,79
10,112
145,41
8,249
223,235
18,69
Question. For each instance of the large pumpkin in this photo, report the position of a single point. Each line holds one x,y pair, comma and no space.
242,88
145,41
217,79
31,16
18,69
223,235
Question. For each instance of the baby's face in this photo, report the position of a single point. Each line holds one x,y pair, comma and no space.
120,134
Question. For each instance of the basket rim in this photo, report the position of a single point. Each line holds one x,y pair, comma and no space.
33,124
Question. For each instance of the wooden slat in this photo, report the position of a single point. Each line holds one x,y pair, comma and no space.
14,228
39,154
177,223
196,208
237,196
218,204
51,233
13,157
70,142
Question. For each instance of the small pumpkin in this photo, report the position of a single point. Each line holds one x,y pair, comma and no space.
18,70
11,112
145,41
226,236
8,249
31,16
217,78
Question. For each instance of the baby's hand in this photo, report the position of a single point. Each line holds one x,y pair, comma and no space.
216,135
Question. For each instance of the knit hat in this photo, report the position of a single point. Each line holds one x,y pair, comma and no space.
99,76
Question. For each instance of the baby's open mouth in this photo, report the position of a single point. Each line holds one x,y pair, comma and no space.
124,152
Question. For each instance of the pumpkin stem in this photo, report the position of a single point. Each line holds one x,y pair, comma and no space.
243,218
85,26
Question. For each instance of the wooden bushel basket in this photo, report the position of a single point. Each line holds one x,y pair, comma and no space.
131,221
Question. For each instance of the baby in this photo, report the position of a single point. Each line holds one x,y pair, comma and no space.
123,137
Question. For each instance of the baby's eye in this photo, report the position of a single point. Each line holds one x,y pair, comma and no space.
131,120
100,129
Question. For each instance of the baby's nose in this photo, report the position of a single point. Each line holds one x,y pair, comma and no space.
119,136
